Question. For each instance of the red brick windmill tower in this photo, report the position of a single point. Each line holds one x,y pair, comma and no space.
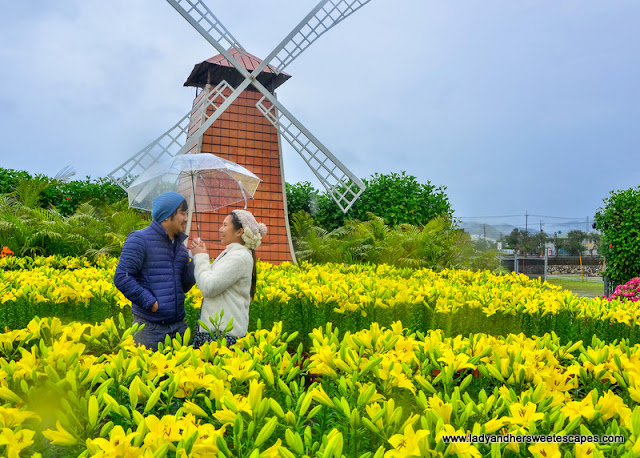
242,134
237,107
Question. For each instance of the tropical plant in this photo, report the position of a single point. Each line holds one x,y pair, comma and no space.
29,229
630,291
437,245
65,196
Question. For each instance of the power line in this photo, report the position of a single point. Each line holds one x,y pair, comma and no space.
525,215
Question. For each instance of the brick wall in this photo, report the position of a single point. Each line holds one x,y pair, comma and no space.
243,135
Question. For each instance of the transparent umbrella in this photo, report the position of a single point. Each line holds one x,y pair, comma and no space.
208,182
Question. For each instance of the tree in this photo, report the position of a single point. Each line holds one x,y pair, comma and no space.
574,244
619,222
485,245
522,240
301,197
396,198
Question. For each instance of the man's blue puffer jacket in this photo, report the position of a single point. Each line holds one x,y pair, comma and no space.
152,268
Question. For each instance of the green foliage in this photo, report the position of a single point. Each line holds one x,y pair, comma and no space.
41,216
574,243
619,222
438,245
485,245
65,197
527,242
87,232
301,197
396,198
8,178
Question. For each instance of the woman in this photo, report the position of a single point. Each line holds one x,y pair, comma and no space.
229,283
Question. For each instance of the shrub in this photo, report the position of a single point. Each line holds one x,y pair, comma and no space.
65,196
619,222
301,197
437,245
396,198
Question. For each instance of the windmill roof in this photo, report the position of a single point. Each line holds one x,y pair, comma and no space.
218,68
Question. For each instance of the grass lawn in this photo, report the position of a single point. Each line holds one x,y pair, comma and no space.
589,288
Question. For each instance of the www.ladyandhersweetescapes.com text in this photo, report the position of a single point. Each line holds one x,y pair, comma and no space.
532,438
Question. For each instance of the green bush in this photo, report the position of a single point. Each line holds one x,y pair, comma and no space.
619,223
65,197
437,245
396,198
302,197
87,232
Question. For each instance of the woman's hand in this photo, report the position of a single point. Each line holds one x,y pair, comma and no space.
197,247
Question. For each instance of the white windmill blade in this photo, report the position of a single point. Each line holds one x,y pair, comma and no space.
341,184
203,20
178,138
339,181
320,19
325,15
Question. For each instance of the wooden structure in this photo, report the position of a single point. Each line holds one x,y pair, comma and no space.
242,134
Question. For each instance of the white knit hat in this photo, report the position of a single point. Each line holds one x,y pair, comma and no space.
253,230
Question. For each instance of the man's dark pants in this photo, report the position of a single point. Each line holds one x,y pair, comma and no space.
153,333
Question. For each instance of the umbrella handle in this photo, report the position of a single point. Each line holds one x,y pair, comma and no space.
191,206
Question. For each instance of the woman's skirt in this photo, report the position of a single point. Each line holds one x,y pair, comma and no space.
201,338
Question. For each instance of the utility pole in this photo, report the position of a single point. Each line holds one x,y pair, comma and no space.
484,231
526,223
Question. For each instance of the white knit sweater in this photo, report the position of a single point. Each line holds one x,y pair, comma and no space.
226,284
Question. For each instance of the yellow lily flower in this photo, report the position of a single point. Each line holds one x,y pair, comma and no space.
15,441
59,436
574,409
11,417
408,444
545,450
522,415
119,444
584,450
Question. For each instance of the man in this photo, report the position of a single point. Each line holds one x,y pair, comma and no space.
155,271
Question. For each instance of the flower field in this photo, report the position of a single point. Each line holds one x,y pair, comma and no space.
308,296
360,361
82,389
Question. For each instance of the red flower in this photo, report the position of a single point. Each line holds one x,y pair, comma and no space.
610,246
68,198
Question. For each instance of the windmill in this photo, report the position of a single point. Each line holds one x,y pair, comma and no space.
189,134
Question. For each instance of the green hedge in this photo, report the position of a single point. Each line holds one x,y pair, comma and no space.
66,197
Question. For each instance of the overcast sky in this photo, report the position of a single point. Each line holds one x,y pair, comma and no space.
514,106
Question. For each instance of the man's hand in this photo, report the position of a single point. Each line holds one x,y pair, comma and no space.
154,307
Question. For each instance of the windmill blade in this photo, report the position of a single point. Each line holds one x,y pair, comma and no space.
341,184
178,139
325,15
203,20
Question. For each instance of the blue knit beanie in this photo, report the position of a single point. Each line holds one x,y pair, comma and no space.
165,204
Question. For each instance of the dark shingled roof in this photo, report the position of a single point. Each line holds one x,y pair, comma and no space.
218,68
